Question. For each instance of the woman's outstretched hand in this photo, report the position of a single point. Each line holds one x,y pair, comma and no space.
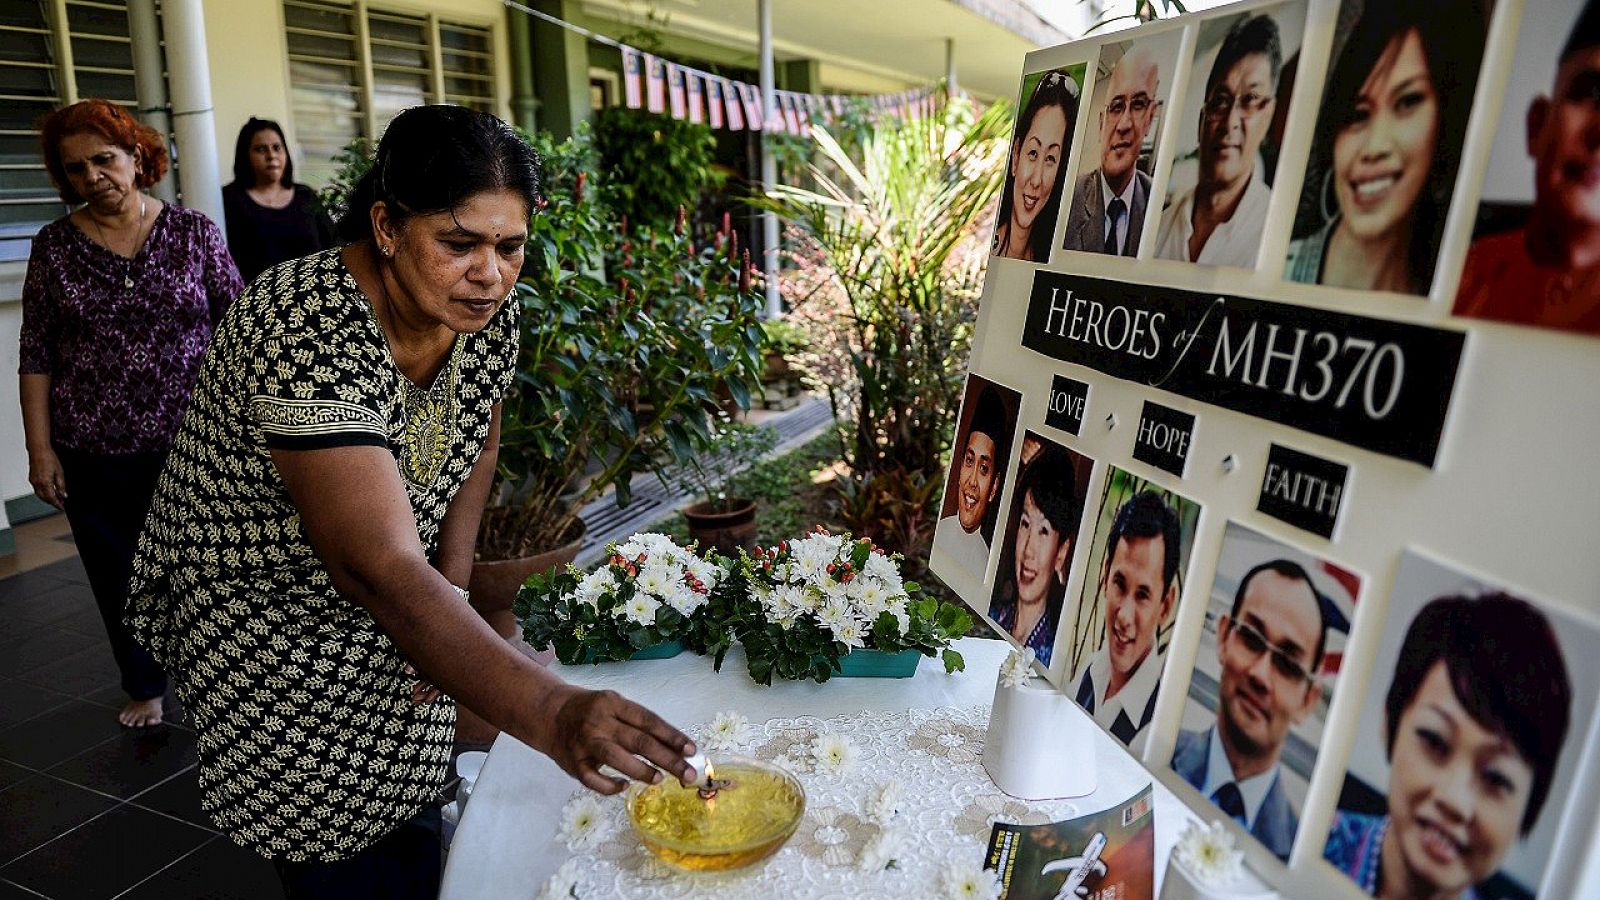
603,728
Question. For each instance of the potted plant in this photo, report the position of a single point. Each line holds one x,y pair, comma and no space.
827,604
721,519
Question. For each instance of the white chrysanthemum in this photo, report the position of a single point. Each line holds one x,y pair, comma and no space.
885,802
708,573
879,852
583,822
1208,853
658,577
1017,668
833,615
811,557
901,618
850,633
642,608
728,731
801,599
649,543
869,596
880,567
969,881
563,885
683,599
834,754
596,585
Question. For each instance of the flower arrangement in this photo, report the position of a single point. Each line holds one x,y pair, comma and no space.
1207,852
646,593
1017,670
810,601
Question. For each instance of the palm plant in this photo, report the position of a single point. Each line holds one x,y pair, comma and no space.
899,236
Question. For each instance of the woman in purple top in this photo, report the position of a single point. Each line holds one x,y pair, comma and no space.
119,303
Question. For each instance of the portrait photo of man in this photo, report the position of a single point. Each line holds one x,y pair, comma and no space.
977,474
1134,584
1221,185
1546,270
1111,197
1260,674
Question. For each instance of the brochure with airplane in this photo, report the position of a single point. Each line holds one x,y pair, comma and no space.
1108,855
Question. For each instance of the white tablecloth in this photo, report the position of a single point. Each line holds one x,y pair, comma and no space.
506,845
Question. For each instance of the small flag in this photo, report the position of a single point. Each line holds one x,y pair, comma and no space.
713,101
734,104
753,118
692,80
791,113
675,92
655,84
632,77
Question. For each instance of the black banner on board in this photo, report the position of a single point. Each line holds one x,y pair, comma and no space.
1068,400
1376,384
1164,437
1303,490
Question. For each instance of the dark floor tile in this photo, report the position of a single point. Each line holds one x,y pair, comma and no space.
69,603
131,762
86,670
105,856
38,645
20,700
11,773
24,585
9,891
70,569
37,809
65,731
221,870
178,796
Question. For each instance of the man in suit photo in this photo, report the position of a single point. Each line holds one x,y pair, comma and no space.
1269,647
1109,203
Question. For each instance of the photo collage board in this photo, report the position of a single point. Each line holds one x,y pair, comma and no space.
1275,447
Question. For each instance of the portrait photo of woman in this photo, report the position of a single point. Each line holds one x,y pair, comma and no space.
1030,200
1466,750
1387,145
1041,532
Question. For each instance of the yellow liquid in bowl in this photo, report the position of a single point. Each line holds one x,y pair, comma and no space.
745,822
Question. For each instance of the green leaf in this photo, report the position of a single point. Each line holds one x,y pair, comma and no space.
953,662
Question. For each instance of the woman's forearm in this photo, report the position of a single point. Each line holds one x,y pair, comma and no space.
35,390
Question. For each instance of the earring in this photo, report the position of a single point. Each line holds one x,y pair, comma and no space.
388,252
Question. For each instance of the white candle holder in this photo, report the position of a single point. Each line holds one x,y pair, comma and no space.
1038,746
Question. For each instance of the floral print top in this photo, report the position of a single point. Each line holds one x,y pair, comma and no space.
122,339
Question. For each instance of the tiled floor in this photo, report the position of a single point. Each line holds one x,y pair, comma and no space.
88,809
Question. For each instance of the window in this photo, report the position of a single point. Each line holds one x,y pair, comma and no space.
353,68
52,52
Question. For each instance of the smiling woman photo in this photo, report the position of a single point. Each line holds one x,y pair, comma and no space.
1032,579
1387,146
1478,708
1031,197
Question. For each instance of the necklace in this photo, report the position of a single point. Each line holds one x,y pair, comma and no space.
127,259
429,412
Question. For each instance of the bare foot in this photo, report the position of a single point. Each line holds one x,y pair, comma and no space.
141,713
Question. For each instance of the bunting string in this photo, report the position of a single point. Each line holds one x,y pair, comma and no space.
686,93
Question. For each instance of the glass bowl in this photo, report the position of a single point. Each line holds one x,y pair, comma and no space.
745,821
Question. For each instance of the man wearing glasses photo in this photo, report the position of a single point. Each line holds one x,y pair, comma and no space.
1219,221
1269,647
1109,202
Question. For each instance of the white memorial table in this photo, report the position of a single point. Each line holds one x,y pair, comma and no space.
507,843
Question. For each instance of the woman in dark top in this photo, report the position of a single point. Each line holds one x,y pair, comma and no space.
118,306
270,218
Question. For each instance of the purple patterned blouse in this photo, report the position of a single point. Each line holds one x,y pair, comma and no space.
121,339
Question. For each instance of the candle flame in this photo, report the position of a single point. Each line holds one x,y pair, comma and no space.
711,772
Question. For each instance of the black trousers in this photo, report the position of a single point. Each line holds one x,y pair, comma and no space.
108,496
403,865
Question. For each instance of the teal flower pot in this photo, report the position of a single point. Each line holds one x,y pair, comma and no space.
663,650
878,664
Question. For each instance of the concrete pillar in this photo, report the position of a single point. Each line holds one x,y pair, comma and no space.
560,68
950,88
524,100
769,168
144,33
184,26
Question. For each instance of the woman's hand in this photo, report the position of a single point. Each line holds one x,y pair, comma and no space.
602,728
47,477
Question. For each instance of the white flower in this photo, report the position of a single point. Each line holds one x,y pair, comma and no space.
833,614
969,881
850,633
596,584
708,573
642,608
1017,668
583,822
871,597
728,731
563,885
834,753
811,557
1207,851
885,802
657,578
879,852
880,566
649,543
684,600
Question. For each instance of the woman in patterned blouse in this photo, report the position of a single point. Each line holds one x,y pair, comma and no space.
303,556
118,306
